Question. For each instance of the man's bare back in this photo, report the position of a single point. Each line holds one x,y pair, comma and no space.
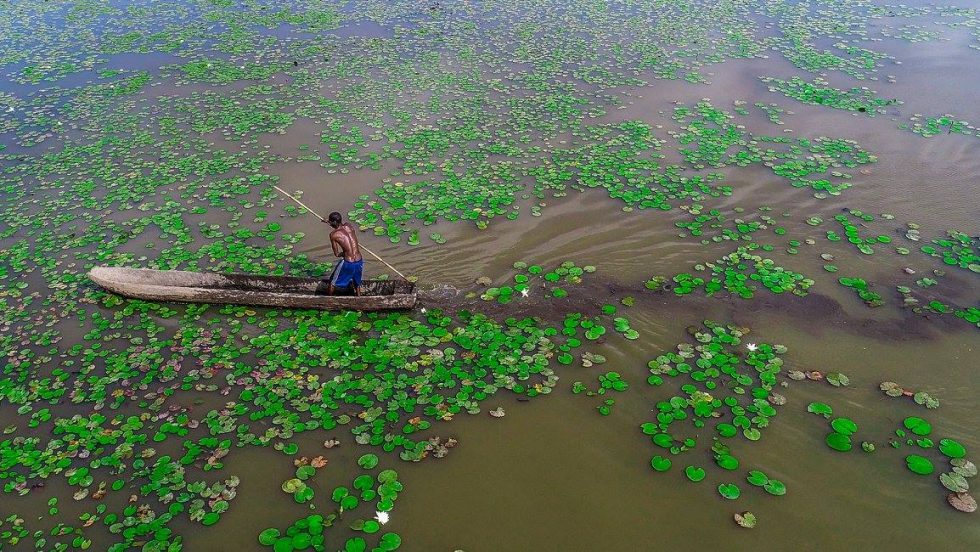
344,243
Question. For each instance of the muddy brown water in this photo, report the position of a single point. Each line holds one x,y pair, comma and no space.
554,475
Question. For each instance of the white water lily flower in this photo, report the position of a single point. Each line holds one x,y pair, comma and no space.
524,292
382,517
751,346
423,310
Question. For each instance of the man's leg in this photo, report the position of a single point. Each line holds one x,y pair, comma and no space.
337,269
356,280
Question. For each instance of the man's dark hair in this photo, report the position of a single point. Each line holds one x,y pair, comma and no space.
334,218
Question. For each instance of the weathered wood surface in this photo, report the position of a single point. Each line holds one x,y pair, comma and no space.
247,289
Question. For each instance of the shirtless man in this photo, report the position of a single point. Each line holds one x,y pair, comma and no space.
343,239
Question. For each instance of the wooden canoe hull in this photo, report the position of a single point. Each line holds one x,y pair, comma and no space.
246,289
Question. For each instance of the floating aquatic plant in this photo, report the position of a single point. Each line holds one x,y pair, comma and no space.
732,274
861,287
105,164
745,519
958,249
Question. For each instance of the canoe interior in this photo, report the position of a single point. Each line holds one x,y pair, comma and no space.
238,282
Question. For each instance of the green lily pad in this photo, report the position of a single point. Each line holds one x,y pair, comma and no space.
363,482
726,430
269,536
389,542
917,426
210,518
839,441
371,526
301,541
695,473
820,408
844,426
729,491
349,502
368,461
339,493
919,464
387,476
355,544
660,463
775,487
951,448
303,495
727,461
757,478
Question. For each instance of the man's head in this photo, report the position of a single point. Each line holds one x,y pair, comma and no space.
334,219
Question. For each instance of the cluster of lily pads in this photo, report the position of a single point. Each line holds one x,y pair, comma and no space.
852,233
610,381
863,100
610,152
729,386
420,149
958,249
309,532
818,92
915,432
278,389
378,387
529,278
738,271
170,165
861,288
939,125
812,163
922,398
841,428
713,220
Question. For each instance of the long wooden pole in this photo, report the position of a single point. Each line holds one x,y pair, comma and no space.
317,215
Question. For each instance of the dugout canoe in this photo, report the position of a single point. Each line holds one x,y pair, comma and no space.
249,289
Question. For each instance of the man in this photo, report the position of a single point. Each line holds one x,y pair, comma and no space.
343,240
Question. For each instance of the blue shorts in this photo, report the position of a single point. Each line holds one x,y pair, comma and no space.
346,272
